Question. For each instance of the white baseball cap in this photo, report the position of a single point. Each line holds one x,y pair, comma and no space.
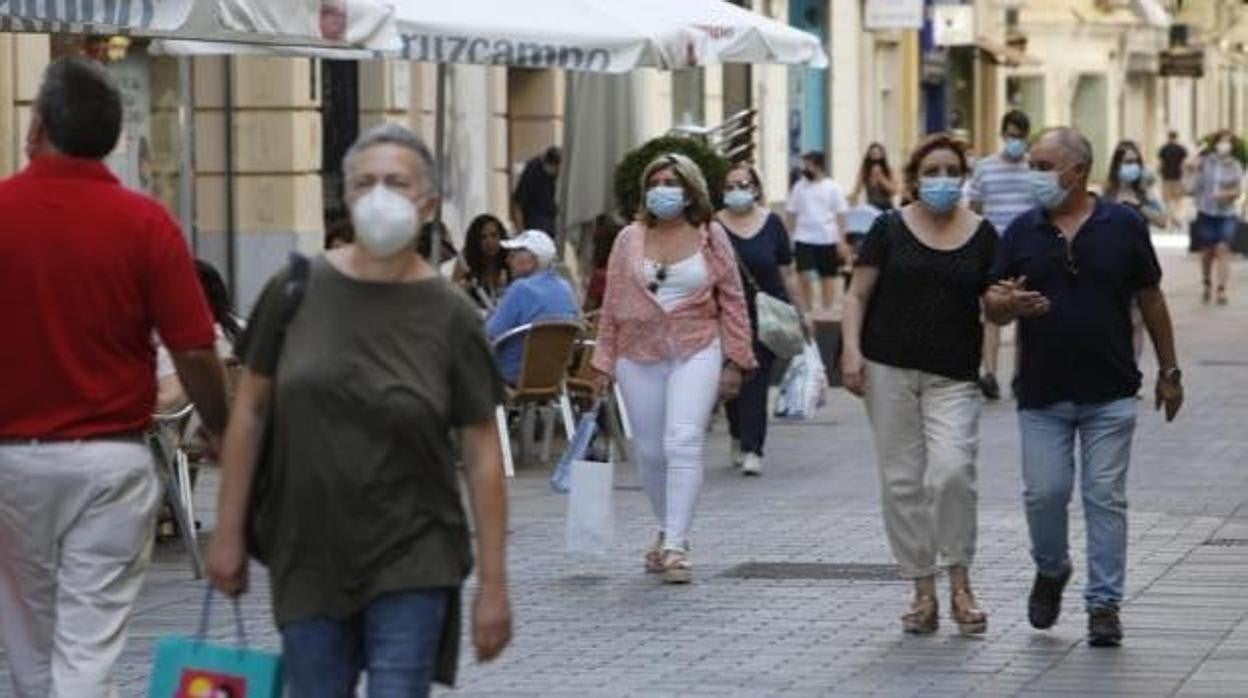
534,241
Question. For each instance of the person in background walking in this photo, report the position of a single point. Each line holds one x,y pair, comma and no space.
912,343
368,544
533,204
764,252
483,272
1215,179
1068,271
816,216
89,270
999,191
538,293
1171,156
875,180
1127,184
674,332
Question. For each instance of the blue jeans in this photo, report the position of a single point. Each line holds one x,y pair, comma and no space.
1212,231
1048,440
394,639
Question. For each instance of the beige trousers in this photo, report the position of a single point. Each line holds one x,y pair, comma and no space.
926,430
76,529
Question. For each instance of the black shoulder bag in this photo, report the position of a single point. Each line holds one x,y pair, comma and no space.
262,504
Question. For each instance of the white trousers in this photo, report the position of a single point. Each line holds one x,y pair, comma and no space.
926,430
670,403
76,529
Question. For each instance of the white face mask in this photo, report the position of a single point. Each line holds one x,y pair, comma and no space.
385,222
1223,147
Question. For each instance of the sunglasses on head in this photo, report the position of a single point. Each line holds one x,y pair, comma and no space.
660,275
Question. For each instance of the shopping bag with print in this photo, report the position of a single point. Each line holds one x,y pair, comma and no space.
578,447
590,518
816,393
192,667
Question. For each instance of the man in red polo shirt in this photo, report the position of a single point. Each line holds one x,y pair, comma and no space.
88,270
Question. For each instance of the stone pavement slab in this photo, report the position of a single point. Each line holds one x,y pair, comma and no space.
590,627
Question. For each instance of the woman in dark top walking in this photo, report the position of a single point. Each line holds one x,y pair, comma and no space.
875,180
763,249
912,337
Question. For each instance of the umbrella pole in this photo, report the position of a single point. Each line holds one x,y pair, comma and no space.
439,139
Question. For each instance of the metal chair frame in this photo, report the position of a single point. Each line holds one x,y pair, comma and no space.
558,396
173,467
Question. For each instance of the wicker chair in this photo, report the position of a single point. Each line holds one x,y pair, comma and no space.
541,382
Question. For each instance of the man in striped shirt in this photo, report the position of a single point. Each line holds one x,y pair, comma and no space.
999,191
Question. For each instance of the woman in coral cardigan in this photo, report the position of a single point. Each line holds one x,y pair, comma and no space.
674,332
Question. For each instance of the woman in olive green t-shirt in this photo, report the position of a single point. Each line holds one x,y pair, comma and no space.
367,544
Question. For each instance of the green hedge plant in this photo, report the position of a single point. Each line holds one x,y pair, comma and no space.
628,173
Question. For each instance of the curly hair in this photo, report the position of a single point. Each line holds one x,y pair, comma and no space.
474,257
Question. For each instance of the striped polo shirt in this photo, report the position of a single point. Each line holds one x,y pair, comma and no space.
1002,190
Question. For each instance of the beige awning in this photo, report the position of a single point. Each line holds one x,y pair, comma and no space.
1001,54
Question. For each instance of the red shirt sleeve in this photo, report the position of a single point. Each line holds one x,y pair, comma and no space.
175,299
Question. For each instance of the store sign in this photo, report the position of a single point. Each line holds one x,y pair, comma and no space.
1182,64
134,15
883,15
953,25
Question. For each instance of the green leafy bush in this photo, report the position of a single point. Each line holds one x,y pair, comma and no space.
628,172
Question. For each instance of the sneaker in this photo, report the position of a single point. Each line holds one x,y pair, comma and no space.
1045,604
752,466
734,450
1104,628
988,385
676,567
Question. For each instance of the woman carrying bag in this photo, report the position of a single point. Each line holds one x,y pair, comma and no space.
674,332
765,255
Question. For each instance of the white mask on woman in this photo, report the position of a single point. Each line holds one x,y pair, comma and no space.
385,222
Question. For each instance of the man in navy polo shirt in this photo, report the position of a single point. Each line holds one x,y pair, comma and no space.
1069,271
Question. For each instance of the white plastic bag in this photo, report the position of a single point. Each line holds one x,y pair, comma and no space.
590,517
803,390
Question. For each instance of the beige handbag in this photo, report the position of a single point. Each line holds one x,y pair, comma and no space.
779,323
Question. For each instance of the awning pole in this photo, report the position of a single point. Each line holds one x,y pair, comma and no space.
439,139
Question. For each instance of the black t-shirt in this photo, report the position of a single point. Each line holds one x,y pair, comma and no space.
764,254
535,195
1172,156
924,312
1080,351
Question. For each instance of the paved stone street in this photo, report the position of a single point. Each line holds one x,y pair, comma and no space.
603,628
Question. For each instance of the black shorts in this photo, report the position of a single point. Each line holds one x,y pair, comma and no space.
824,259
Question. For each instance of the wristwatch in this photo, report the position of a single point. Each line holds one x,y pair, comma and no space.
1172,374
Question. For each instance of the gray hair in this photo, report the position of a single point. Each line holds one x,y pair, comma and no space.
394,134
1074,143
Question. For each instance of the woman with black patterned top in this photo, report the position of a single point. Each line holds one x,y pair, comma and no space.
912,337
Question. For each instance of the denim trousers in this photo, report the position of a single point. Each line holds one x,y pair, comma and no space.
394,639
1104,434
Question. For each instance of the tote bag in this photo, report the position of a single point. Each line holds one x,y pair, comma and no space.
192,667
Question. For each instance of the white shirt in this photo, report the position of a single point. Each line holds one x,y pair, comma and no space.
814,206
681,280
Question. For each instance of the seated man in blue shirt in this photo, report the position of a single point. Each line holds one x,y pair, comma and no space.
537,293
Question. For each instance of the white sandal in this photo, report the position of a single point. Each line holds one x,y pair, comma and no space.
654,556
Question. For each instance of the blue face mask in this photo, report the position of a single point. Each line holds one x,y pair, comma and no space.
1047,189
739,200
1015,148
1130,172
940,194
665,203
